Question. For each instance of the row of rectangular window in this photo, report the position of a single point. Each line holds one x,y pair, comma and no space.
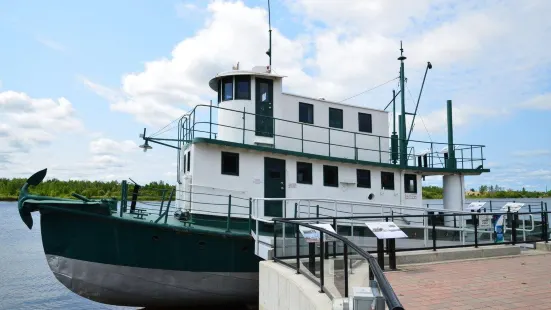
240,91
306,115
230,166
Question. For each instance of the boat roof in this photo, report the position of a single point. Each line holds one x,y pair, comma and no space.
256,71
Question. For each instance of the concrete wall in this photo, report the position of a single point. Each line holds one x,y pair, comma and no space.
280,288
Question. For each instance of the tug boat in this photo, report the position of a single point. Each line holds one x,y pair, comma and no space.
256,154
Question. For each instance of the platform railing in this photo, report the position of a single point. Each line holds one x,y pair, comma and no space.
326,141
316,270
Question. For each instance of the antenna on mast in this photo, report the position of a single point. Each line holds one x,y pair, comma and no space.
269,52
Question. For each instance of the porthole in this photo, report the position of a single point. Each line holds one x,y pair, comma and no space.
371,196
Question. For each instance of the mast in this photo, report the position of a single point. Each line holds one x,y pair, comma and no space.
394,137
402,120
269,52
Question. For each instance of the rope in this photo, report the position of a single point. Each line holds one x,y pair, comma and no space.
365,91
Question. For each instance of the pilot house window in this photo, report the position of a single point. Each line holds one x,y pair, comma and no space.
364,122
335,118
243,87
410,183
387,180
305,113
227,88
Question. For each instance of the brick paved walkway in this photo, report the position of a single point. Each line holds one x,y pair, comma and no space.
522,282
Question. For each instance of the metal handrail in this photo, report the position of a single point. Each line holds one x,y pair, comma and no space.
188,123
391,298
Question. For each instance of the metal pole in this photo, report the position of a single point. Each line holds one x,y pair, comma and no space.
402,127
275,246
433,218
381,253
345,270
229,216
335,242
321,261
168,204
392,254
162,202
250,213
297,248
476,230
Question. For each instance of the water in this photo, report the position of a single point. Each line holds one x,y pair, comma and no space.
26,281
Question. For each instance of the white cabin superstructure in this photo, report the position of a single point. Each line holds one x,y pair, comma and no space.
261,142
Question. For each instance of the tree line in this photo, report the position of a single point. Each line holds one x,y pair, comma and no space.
9,190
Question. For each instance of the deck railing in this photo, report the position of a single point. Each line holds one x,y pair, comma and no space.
317,272
205,121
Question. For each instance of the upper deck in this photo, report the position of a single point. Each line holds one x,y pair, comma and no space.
253,112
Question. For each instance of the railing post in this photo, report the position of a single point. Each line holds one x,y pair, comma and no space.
472,161
297,247
296,205
329,131
355,148
210,119
433,220
274,255
381,253
244,125
274,130
302,137
321,261
168,204
476,229
162,202
317,212
392,254
250,213
346,270
124,187
490,206
546,226
335,242
380,155
514,224
229,216
542,213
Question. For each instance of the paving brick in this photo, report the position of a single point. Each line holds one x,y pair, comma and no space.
521,282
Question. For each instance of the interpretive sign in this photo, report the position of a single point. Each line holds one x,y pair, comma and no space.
475,206
313,236
386,230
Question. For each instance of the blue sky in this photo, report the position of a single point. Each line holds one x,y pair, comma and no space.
79,80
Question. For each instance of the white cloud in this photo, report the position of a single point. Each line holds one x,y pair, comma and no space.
170,86
28,122
540,102
104,146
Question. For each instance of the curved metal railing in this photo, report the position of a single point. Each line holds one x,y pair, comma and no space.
390,296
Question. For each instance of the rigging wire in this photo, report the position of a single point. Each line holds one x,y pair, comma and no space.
411,98
158,132
365,91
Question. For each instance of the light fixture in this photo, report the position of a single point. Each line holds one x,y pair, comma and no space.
146,146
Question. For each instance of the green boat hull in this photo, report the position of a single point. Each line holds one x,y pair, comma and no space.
129,262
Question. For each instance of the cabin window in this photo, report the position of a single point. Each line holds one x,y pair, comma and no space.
363,178
227,88
331,176
304,173
387,180
335,118
243,87
219,88
230,163
188,161
410,183
364,122
305,113
184,168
